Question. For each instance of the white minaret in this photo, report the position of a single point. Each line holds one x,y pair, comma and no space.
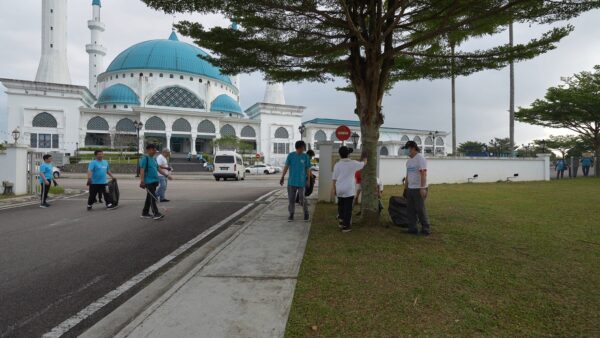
274,93
53,64
95,49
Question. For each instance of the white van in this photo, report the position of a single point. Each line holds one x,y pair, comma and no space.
229,164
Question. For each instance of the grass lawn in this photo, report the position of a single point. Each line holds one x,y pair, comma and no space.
504,259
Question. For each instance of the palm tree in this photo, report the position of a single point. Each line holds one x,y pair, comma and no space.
512,91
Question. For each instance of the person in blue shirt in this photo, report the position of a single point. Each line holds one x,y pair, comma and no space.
298,164
149,170
586,164
97,180
46,177
561,166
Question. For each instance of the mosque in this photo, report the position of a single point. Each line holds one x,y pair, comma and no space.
162,90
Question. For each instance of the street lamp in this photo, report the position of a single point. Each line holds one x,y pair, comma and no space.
355,137
434,135
138,126
16,134
543,146
302,129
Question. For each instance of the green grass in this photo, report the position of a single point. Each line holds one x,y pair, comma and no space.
58,190
511,260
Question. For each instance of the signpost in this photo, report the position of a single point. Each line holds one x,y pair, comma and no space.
343,133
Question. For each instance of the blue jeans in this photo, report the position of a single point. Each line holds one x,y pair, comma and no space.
162,187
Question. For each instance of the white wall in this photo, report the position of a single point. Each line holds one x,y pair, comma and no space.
14,168
457,170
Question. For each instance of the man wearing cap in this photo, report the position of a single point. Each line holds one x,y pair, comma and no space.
163,163
415,189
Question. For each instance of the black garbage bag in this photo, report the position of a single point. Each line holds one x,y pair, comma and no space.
398,211
113,191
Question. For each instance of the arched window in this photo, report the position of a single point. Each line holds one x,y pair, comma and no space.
282,133
176,97
126,125
439,142
429,141
182,124
97,123
207,127
404,139
227,130
334,137
417,140
384,151
155,123
320,136
44,120
248,131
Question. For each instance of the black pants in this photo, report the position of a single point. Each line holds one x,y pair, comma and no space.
151,199
345,210
44,195
99,190
415,205
560,174
586,171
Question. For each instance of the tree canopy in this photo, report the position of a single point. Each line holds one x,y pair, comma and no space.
573,105
471,147
372,44
561,143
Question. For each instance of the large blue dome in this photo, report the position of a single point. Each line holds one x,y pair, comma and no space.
168,55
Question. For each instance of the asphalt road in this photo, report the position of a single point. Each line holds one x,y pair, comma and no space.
54,262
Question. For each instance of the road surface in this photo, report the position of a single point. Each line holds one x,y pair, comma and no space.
54,262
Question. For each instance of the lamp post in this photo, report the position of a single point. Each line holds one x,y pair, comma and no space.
355,137
16,134
543,146
138,126
76,150
434,135
302,129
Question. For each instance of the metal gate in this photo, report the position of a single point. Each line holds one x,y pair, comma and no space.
33,168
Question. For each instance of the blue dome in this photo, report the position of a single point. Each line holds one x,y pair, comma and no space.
168,55
226,104
118,94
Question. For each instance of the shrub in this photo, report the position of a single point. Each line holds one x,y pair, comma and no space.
57,190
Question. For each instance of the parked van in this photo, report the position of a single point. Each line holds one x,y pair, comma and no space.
229,164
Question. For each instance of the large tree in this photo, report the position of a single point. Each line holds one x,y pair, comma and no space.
471,147
561,143
573,105
370,43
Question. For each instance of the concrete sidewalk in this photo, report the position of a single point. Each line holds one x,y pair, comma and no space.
245,289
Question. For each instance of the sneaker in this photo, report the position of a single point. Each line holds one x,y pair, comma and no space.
346,229
147,216
340,224
157,217
46,205
306,217
164,200
111,207
291,218
89,208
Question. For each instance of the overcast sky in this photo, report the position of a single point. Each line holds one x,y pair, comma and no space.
482,98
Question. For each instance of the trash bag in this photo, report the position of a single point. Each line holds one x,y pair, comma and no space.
398,211
113,191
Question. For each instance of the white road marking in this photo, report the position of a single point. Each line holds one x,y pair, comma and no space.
68,324
26,204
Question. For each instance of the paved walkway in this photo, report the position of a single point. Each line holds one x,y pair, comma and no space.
244,290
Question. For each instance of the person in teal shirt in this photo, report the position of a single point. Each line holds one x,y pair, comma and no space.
586,164
46,177
298,164
98,170
561,166
149,181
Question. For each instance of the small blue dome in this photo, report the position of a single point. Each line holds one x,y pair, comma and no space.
168,55
226,104
118,94
96,3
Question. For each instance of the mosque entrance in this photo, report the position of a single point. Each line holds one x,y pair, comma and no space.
204,144
181,144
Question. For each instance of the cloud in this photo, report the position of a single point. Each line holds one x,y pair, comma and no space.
482,99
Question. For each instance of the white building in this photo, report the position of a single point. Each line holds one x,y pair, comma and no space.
183,101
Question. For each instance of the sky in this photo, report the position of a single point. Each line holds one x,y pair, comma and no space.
482,98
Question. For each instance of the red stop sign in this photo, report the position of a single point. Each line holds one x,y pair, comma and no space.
343,133
258,156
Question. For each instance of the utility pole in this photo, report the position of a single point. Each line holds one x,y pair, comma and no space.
512,90
453,104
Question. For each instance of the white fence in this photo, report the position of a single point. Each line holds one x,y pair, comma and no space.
460,170
392,169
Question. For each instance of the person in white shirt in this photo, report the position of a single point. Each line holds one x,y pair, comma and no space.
163,163
415,189
344,187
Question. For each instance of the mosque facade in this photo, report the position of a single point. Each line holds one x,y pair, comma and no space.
162,90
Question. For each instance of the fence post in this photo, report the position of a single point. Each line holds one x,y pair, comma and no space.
325,170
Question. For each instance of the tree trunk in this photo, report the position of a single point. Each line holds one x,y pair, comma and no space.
453,106
370,204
